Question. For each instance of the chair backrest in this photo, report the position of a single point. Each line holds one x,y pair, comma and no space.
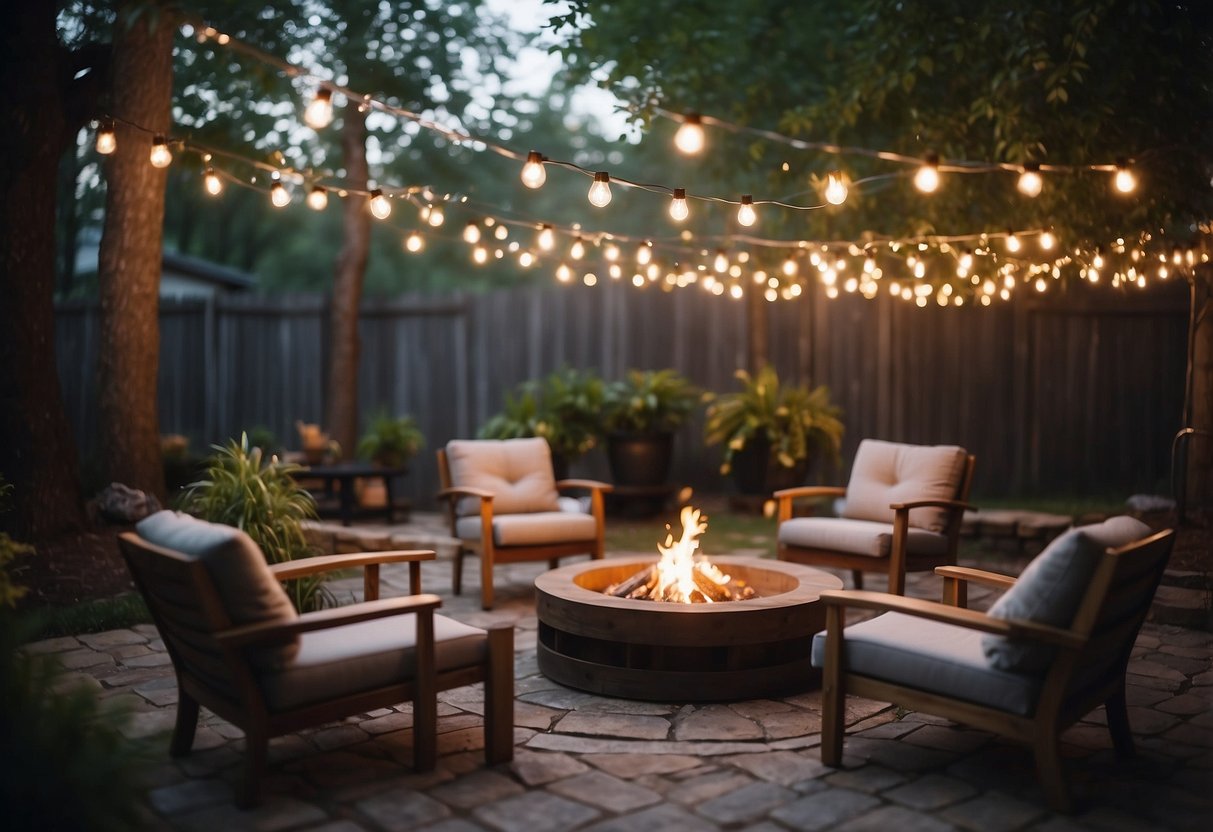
890,472
518,472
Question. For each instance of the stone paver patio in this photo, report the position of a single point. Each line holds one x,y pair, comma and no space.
588,762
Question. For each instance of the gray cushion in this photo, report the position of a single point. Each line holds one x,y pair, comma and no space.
534,529
1051,587
365,656
249,591
857,537
888,472
517,471
931,656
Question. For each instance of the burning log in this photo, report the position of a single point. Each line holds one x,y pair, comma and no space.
642,580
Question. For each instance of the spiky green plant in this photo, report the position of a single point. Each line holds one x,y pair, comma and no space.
795,420
649,401
390,441
242,488
565,408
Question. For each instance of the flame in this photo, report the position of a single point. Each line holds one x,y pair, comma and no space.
677,568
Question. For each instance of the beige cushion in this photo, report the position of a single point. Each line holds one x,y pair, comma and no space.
1051,587
517,471
249,591
889,472
857,537
535,529
365,656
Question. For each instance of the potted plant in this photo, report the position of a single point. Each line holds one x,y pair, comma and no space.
565,409
770,432
390,441
640,414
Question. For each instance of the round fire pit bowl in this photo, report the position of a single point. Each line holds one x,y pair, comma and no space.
671,652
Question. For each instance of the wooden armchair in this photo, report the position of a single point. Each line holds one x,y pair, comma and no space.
1050,650
503,504
904,505
239,648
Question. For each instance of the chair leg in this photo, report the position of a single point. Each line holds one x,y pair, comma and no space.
457,572
857,578
553,563
833,698
1047,749
499,697
486,579
187,723
1118,724
257,744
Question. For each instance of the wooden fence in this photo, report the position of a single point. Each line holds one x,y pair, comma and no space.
1077,394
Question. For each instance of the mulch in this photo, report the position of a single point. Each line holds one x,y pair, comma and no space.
88,566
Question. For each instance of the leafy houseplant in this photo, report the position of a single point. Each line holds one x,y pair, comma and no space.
770,431
390,442
640,414
565,408
242,489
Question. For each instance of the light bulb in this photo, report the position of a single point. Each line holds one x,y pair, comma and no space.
721,264
789,267
547,237
1124,180
471,233
501,232
678,205
564,273
690,139
279,195
1013,244
381,206
1097,261
836,189
414,242
926,179
611,253
319,110
160,156
1047,240
745,214
644,254
480,254
526,259
107,141
214,185
434,215
533,172
317,198
1030,183
600,191
577,251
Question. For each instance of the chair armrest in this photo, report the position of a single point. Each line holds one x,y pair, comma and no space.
811,491
911,504
956,580
589,485
275,632
327,563
970,619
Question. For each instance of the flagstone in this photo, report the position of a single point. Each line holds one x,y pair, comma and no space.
606,792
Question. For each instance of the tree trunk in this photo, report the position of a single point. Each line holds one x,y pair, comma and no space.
1199,407
128,268
40,111
341,418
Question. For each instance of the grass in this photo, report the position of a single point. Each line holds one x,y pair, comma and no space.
89,617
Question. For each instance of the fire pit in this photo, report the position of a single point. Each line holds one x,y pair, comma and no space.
684,652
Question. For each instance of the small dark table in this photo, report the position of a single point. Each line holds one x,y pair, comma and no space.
344,474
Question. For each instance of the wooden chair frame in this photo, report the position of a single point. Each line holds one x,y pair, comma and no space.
1126,575
899,561
492,554
198,633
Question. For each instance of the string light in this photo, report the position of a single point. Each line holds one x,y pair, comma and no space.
317,198
480,254
600,191
471,233
319,111
836,189
501,232
533,172
678,205
563,273
690,137
611,253
526,259
1047,240
547,237
789,267
434,215
745,214
381,206
926,179
160,155
414,242
1124,180
107,140
1013,244
280,197
577,250
214,185
1030,183
644,254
